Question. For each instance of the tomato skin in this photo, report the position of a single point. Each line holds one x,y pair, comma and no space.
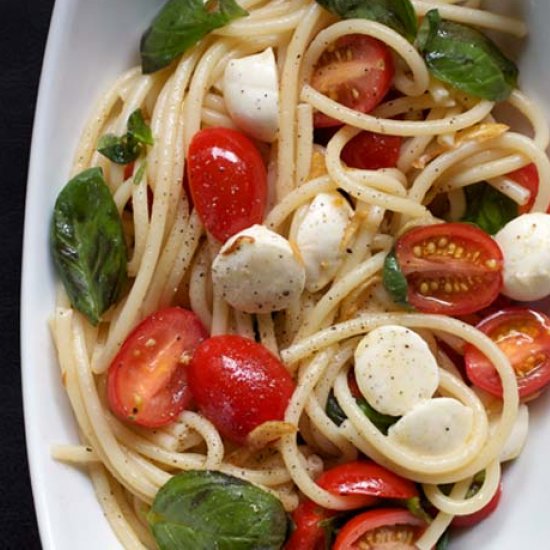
228,181
527,177
363,482
147,380
360,525
357,71
480,515
522,334
462,258
238,385
370,151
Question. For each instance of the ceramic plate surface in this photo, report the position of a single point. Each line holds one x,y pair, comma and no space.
89,45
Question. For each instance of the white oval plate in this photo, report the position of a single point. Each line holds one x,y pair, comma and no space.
90,43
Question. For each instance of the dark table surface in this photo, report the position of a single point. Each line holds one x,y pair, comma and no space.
23,30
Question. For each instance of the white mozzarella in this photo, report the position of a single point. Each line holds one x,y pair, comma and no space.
320,238
395,369
518,436
436,427
525,244
258,271
251,92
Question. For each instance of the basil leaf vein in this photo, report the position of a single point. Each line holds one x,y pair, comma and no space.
179,25
88,246
465,58
201,510
396,14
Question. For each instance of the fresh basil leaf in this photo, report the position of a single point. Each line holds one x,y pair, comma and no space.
394,281
465,58
397,14
179,25
443,542
488,208
140,172
417,509
120,150
139,129
88,244
337,415
201,510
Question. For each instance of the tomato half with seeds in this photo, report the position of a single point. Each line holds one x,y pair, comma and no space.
356,71
524,336
371,151
147,379
451,268
362,482
239,384
228,181
381,528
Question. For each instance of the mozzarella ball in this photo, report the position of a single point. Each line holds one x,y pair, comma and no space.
525,244
251,92
257,271
320,238
395,369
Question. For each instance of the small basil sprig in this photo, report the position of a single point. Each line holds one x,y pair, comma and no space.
397,14
337,415
488,208
179,25
465,58
88,244
200,510
127,148
394,281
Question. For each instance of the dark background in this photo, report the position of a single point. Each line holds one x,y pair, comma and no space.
23,30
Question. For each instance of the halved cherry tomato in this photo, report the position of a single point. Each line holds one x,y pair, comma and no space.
362,482
370,151
527,177
451,268
381,528
147,380
356,71
238,385
480,515
228,181
524,336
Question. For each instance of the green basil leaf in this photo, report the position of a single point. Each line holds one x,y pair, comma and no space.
139,129
337,415
394,281
121,150
140,172
488,208
88,244
417,509
397,14
465,58
202,510
179,25
443,542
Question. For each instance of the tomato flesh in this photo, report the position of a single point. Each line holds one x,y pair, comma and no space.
147,379
527,177
480,515
356,71
238,385
451,268
524,336
393,527
370,151
227,180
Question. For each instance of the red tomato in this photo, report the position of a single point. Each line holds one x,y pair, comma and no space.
228,181
128,171
524,336
238,385
363,482
370,151
379,529
480,515
356,71
451,268
527,177
147,380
